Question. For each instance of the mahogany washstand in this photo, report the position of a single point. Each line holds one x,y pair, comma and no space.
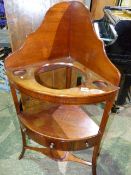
45,71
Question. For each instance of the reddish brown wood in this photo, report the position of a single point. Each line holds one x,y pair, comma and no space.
78,41
30,85
64,124
65,40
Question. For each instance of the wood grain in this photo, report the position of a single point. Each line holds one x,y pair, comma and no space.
66,40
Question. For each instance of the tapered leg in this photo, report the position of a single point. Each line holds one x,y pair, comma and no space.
93,169
23,144
94,159
103,123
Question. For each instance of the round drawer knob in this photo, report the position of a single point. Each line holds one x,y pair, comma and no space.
87,144
24,129
52,145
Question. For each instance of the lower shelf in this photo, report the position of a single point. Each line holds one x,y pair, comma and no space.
63,127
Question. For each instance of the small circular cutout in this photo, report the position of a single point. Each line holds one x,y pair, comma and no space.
20,72
100,83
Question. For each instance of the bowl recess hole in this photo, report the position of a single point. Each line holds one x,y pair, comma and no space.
59,77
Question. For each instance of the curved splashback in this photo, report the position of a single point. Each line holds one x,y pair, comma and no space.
66,31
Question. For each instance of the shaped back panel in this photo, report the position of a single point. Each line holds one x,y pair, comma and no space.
66,31
85,46
42,44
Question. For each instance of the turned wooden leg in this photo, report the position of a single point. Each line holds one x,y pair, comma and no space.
23,144
94,159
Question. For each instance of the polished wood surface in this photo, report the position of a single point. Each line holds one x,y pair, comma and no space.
27,81
66,126
74,122
48,43
98,5
65,41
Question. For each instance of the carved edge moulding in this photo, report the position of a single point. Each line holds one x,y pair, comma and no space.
64,45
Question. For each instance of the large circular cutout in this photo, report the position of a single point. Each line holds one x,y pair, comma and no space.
57,76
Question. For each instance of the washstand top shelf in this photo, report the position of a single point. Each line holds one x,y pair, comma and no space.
26,79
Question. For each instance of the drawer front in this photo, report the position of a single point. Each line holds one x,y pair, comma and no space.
72,145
